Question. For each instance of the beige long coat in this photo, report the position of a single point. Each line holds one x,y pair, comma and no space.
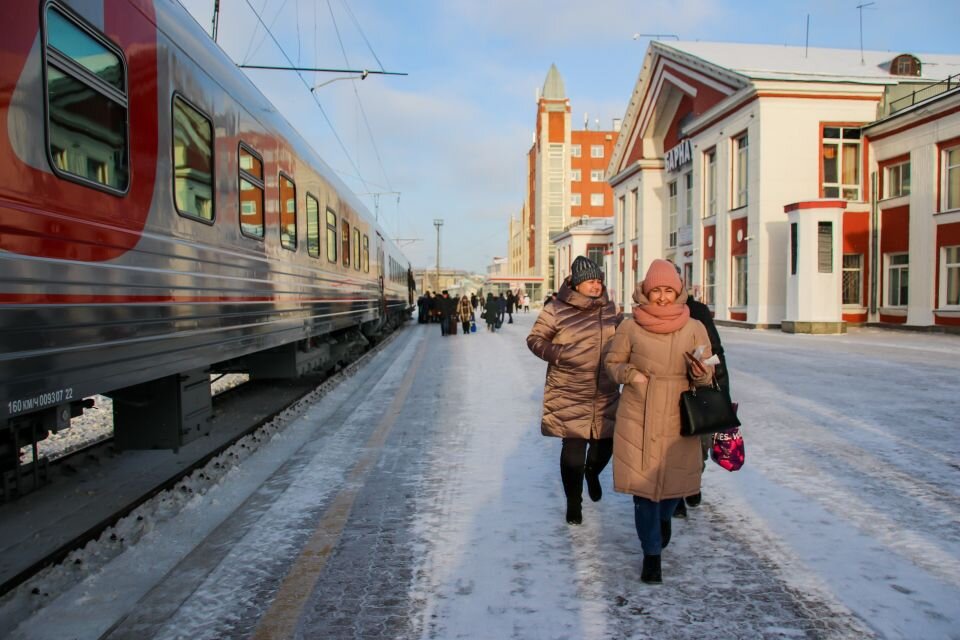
650,457
579,399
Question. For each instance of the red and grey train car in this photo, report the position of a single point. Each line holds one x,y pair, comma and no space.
159,221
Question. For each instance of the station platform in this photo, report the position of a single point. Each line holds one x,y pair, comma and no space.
419,500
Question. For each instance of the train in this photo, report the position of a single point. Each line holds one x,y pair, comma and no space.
160,221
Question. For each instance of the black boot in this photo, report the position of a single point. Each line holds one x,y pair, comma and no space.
666,530
593,484
681,510
694,500
651,573
574,515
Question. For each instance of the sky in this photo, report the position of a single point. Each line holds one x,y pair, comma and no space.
449,139
841,524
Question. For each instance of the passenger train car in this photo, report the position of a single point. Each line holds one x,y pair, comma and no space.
159,221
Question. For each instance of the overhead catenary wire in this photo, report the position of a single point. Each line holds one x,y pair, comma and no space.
312,94
363,113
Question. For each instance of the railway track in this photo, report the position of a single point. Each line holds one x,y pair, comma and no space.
250,412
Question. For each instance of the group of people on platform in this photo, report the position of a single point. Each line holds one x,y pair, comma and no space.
449,311
591,350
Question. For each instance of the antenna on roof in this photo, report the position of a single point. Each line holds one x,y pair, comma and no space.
806,44
861,7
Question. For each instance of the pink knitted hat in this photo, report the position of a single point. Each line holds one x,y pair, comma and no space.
661,274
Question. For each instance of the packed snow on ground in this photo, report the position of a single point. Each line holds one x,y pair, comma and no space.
842,524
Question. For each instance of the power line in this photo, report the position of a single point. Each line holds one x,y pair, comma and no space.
315,100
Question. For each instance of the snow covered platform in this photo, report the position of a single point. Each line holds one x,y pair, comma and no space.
418,500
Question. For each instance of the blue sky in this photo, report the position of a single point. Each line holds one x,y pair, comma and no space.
452,136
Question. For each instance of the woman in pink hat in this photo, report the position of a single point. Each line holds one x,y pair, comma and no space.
652,357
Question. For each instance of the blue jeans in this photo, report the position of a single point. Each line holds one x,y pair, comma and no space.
647,515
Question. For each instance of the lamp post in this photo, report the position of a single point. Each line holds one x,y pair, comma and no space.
438,222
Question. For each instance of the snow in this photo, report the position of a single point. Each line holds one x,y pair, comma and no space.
843,522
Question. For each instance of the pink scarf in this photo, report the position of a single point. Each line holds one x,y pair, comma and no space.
657,319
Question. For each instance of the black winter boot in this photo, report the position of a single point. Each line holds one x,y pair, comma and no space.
666,530
593,484
681,510
694,500
651,573
574,515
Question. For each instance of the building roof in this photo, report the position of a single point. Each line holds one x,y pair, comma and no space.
553,88
781,62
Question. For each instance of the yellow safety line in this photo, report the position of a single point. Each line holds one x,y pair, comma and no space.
280,621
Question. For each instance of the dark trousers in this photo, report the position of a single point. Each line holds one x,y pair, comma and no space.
466,327
579,456
647,515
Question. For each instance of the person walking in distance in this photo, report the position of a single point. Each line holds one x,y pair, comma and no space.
511,301
652,357
466,312
579,398
490,311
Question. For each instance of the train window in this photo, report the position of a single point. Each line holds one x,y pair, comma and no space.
331,236
356,249
192,161
288,213
345,242
366,253
313,226
251,193
86,105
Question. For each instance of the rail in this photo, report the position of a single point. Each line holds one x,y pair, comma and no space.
952,82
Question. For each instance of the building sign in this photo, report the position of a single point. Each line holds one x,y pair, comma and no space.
680,155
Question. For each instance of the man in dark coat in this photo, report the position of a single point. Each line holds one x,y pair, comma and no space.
443,304
511,300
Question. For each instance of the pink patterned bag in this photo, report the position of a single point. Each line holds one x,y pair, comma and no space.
727,450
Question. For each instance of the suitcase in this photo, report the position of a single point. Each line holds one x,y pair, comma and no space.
453,326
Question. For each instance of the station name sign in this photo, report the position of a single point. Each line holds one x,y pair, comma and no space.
679,156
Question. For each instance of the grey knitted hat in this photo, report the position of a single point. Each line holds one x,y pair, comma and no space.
584,269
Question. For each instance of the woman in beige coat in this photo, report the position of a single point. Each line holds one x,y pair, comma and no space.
650,356
579,400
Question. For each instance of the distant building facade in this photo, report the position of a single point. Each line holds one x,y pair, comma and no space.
566,180
746,174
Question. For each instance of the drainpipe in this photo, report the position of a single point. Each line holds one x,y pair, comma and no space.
874,245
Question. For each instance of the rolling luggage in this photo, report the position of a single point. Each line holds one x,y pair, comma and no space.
453,326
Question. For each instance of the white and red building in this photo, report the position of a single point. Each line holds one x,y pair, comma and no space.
566,182
753,167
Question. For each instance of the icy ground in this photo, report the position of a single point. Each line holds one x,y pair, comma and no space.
843,523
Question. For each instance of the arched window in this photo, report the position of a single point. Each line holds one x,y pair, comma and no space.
905,65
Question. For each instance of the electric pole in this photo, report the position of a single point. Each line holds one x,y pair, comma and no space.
438,222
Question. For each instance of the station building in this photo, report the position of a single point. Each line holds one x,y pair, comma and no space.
801,188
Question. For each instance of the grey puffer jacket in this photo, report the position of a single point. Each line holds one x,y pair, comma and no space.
570,334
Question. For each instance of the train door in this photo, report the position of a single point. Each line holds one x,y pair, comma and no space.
380,276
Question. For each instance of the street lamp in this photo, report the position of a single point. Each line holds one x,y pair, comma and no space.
438,222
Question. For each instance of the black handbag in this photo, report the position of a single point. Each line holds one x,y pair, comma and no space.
705,410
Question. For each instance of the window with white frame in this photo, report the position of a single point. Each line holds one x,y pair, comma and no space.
740,281
688,198
574,151
595,253
575,199
951,162
575,175
596,151
897,180
898,272
596,199
709,281
672,214
635,196
950,276
596,175
710,174
853,279
740,175
840,160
